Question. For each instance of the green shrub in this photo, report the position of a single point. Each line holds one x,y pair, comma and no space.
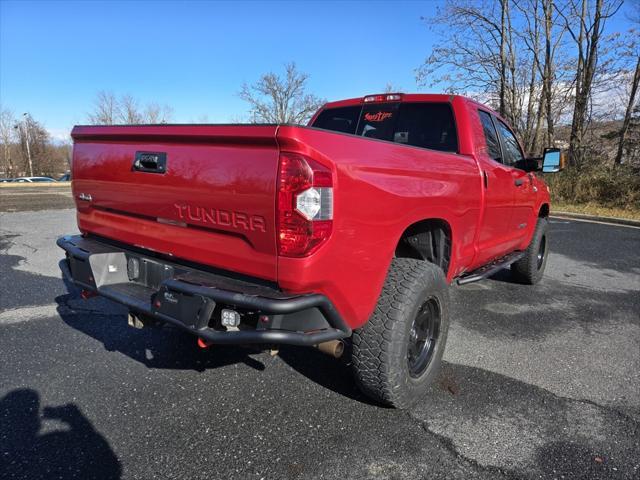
604,185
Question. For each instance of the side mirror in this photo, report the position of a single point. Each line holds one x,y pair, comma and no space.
552,161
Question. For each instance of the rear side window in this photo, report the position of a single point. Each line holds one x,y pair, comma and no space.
490,136
343,119
427,125
512,153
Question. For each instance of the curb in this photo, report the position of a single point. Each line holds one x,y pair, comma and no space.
595,218
35,185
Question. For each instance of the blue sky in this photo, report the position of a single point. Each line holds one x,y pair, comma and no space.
193,56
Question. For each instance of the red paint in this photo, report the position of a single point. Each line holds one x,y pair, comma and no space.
87,294
219,178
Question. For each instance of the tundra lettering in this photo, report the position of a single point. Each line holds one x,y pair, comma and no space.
223,218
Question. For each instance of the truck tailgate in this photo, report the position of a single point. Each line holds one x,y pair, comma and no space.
201,193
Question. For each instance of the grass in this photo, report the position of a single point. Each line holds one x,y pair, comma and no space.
598,210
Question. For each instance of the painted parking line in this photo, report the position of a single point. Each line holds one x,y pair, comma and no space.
40,312
23,314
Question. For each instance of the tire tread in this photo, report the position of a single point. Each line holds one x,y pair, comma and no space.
378,347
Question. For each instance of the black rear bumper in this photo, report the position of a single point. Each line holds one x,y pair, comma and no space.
192,298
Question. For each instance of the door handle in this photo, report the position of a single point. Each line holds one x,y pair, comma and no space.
519,182
150,162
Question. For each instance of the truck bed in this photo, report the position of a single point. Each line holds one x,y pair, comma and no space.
212,202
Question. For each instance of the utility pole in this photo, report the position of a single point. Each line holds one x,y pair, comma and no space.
24,125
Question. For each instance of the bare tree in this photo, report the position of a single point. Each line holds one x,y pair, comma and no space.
548,73
391,88
111,110
130,111
7,135
34,140
106,109
544,85
156,113
535,61
276,99
632,52
476,61
588,38
496,59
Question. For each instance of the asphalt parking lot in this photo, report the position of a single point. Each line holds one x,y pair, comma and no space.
21,197
538,382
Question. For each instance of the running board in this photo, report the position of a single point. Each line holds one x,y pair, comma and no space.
490,268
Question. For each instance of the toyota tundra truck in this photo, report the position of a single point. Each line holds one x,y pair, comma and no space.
349,229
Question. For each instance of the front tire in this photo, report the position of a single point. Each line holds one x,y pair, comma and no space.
530,268
397,353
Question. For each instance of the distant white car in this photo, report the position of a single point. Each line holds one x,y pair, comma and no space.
34,179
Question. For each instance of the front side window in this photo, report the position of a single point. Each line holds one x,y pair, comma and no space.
512,153
490,136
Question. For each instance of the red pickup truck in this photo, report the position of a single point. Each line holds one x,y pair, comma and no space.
349,228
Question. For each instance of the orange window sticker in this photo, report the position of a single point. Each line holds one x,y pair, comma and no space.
377,117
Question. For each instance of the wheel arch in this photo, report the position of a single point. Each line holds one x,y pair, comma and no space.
429,239
543,212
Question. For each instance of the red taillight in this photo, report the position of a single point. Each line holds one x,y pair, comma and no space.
305,205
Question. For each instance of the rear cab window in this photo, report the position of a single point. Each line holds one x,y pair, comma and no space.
428,125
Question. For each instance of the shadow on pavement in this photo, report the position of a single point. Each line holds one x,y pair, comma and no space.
163,347
330,373
27,451
168,347
20,287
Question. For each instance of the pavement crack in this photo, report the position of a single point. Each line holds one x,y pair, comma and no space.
612,410
448,445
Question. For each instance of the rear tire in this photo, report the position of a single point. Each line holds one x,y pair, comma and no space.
397,353
530,268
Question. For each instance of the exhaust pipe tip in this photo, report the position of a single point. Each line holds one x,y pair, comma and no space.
333,348
134,321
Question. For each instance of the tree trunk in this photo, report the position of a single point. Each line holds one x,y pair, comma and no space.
503,57
628,112
515,112
7,159
532,128
539,115
547,86
584,79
